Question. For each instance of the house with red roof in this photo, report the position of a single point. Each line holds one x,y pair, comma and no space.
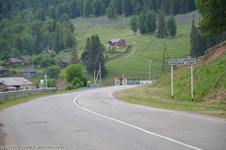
117,43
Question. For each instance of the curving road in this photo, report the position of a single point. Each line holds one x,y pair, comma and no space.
94,120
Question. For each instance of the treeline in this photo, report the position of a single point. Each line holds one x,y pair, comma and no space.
199,43
32,26
86,8
146,23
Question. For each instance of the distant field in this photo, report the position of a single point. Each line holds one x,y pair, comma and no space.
148,47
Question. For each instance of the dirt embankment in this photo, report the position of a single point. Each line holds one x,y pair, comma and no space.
212,54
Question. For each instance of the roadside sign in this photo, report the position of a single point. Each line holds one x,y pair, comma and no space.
182,61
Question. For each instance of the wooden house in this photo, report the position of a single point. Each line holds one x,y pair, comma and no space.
117,43
24,59
29,73
13,62
17,83
64,62
3,71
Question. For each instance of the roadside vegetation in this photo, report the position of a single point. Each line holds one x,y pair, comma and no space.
209,87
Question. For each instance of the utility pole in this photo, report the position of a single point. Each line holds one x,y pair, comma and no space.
94,74
100,71
46,80
150,70
123,19
163,60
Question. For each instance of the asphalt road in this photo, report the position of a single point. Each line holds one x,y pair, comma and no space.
94,120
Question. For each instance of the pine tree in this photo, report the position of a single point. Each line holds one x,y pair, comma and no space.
93,55
133,24
57,41
161,23
141,25
171,26
193,37
150,21
37,45
74,55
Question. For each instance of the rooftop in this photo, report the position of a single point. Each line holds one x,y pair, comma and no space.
15,81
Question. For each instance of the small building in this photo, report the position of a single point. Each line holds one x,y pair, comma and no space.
146,82
24,59
17,83
127,81
64,62
13,62
3,71
118,43
29,73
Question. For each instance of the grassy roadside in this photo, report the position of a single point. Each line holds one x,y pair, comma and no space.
9,103
151,96
209,90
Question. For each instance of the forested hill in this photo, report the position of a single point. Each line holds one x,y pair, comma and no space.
29,27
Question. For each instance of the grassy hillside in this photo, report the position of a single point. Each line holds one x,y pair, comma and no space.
209,87
148,47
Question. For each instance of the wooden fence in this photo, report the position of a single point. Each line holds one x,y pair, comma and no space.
11,95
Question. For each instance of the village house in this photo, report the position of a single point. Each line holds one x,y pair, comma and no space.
24,59
13,62
17,83
127,81
117,43
29,73
3,71
64,62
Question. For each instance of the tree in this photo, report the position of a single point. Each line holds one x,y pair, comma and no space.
133,24
214,16
75,76
37,45
150,21
74,55
87,8
57,41
53,71
171,26
98,7
141,22
193,37
161,23
111,10
93,55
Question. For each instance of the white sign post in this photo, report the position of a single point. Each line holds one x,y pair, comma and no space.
182,61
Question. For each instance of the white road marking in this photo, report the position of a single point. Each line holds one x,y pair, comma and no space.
132,126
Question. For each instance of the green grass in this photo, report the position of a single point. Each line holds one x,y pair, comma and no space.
9,103
148,47
209,81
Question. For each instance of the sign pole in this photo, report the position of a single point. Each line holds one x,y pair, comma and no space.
172,81
192,82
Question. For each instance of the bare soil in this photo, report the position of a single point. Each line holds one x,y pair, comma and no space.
212,54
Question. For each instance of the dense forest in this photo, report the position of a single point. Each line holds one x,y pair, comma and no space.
29,27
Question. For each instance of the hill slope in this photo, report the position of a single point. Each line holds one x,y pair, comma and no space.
148,47
209,87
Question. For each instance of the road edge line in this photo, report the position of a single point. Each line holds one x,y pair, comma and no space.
132,126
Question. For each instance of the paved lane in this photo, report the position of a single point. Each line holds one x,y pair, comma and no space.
92,120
